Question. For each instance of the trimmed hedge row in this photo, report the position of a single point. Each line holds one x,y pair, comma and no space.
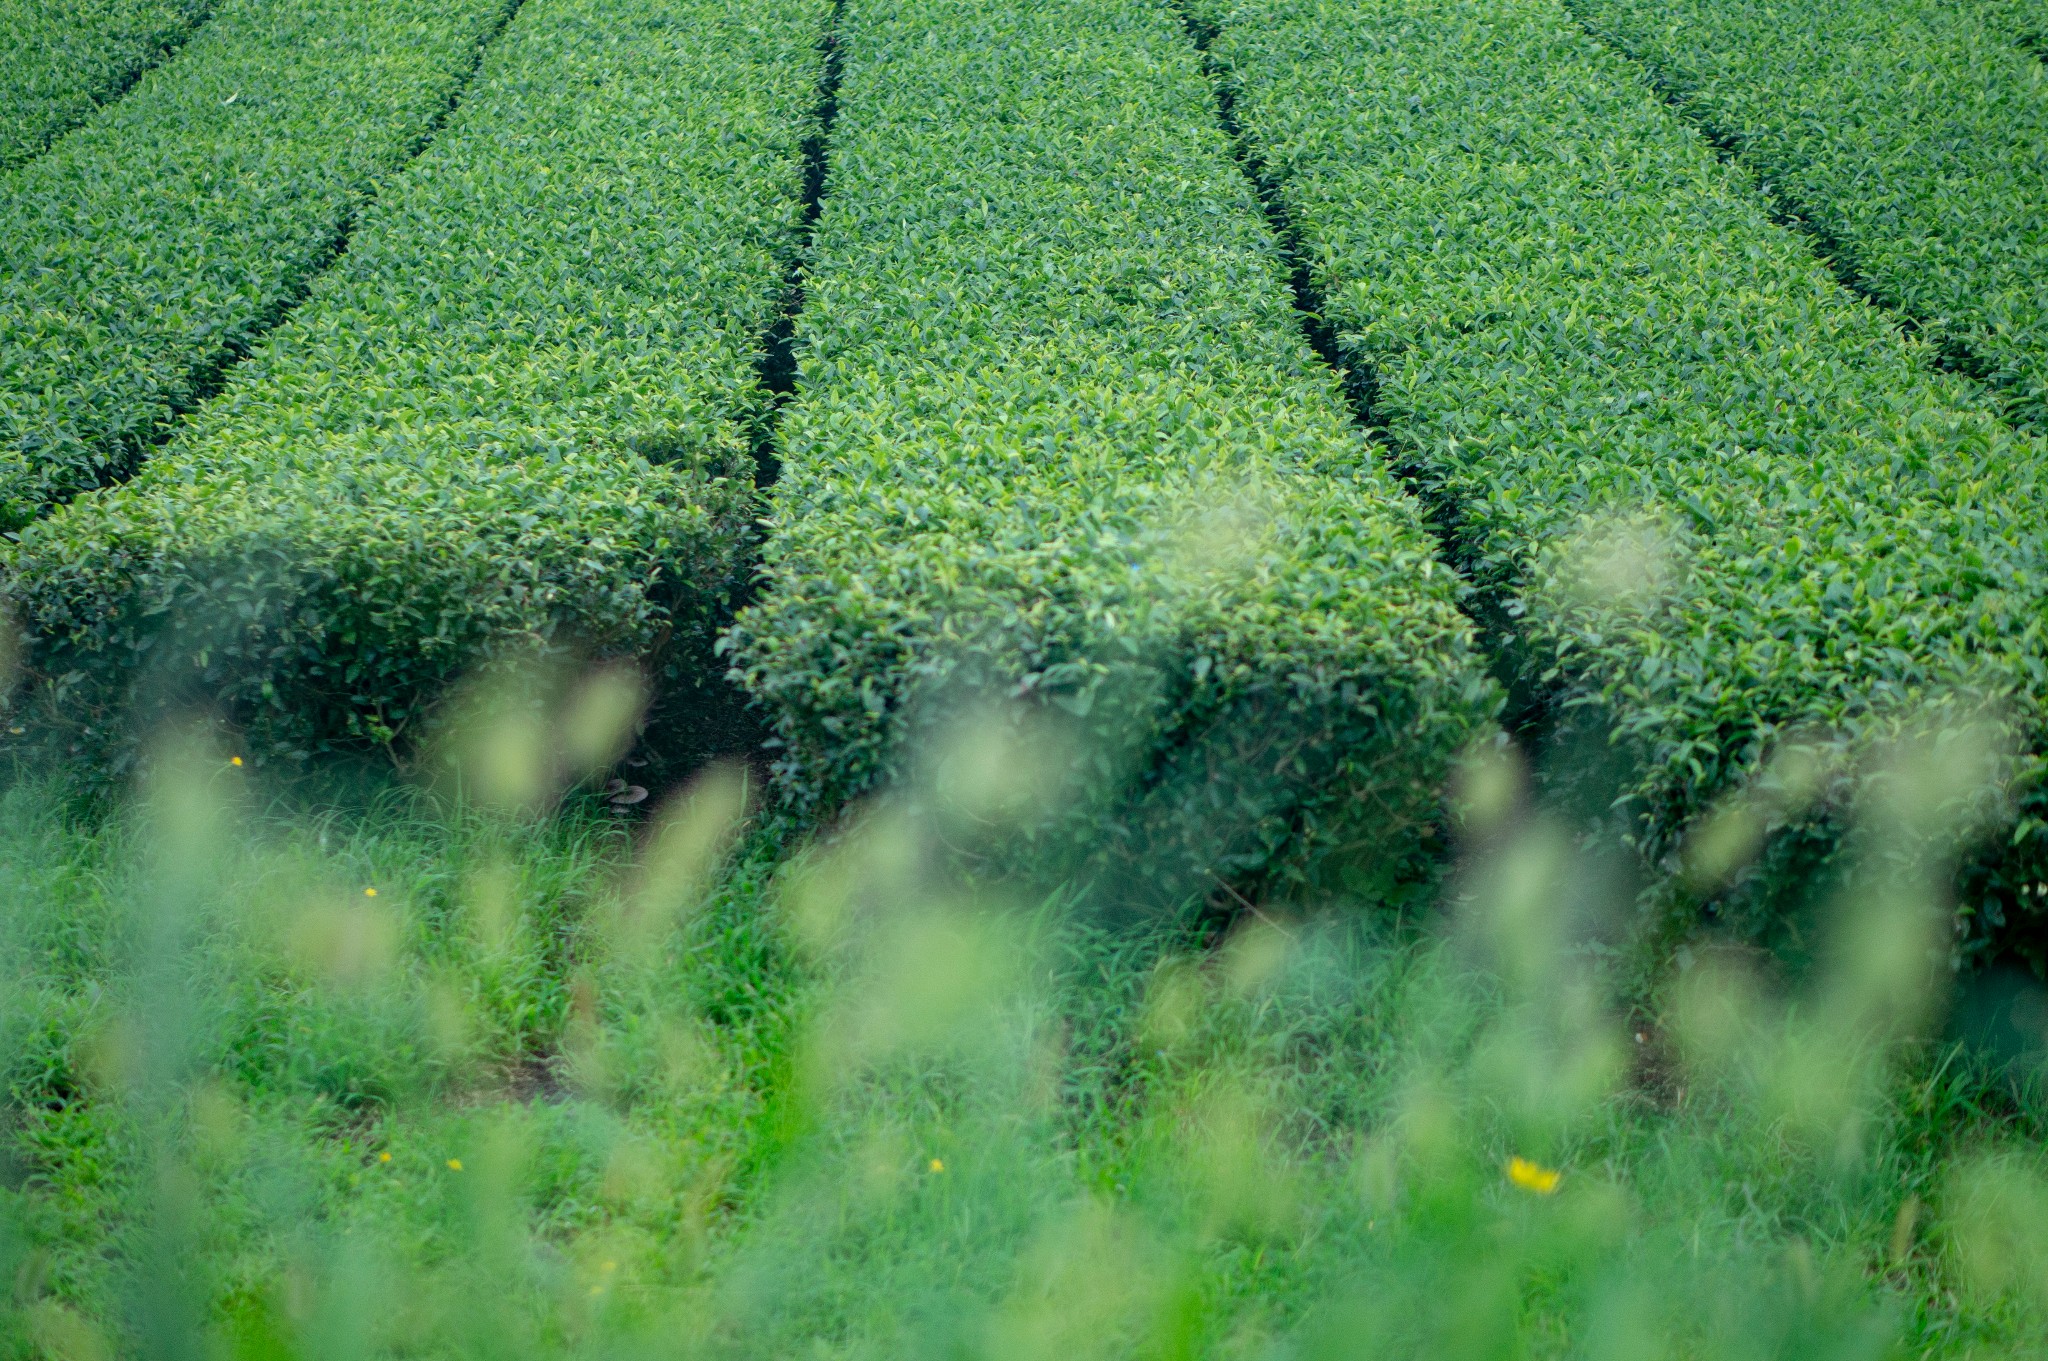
1911,135
517,415
144,251
65,57
1721,499
1059,439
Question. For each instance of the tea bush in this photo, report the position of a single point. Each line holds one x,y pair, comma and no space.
1058,438
145,251
2024,21
1719,500
517,415
66,57
1910,137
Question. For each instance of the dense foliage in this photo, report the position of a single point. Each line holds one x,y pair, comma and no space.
517,414
1722,500
1059,438
148,248
1078,534
66,57
2024,21
1911,136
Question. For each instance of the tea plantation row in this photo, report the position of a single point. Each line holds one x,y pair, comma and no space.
520,410
66,57
1722,500
1910,135
150,246
1058,436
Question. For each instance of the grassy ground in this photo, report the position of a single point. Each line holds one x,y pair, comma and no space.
464,1074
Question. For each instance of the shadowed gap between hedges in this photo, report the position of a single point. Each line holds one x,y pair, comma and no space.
1948,354
1530,714
778,362
697,721
123,83
206,379
2033,44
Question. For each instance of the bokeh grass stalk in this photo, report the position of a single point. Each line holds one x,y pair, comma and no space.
495,1069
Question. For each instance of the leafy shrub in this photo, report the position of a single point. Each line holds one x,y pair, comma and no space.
144,252
1911,136
516,415
2023,21
67,56
1059,439
1722,501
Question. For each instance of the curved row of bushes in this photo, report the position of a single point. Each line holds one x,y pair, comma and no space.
1059,440
148,248
516,416
1912,135
1722,500
65,57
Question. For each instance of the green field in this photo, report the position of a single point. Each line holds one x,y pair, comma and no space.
1024,678
67,59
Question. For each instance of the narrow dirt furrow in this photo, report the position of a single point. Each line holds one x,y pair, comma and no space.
1529,709
778,367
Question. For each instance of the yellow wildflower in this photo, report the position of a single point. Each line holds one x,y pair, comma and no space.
938,1166
1533,1176
455,1164
234,760
384,1157
369,893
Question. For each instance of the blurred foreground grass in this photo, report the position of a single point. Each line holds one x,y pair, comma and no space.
462,1074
